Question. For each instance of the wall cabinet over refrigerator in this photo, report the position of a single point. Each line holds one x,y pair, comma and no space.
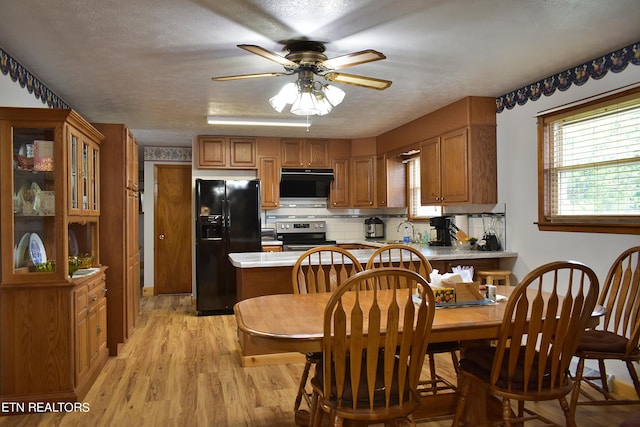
220,152
119,221
50,223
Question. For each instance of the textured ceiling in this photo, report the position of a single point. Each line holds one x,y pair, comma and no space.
149,63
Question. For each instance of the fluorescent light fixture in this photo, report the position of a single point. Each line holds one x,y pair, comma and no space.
242,121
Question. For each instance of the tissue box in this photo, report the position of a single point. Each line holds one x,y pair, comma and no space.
444,295
468,291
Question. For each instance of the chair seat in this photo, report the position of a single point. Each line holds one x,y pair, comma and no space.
443,347
314,357
363,394
602,342
480,361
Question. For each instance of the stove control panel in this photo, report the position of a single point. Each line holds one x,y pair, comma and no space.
301,227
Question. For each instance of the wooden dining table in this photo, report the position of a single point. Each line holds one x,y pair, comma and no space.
294,323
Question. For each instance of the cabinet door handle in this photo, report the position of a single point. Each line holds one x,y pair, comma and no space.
104,291
161,237
94,297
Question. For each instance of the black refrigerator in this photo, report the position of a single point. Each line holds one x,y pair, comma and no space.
227,220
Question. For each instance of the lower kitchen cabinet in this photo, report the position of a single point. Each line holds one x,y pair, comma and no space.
446,266
90,328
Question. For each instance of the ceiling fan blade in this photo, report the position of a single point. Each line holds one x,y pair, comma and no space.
352,59
271,56
247,76
351,79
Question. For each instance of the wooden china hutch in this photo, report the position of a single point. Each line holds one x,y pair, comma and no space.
53,325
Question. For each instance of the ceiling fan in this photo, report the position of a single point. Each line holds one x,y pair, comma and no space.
307,58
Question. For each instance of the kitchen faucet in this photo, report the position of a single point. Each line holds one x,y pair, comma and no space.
413,231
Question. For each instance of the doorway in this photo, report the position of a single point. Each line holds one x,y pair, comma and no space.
172,228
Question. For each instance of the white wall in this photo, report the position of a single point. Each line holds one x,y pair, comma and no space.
518,184
12,95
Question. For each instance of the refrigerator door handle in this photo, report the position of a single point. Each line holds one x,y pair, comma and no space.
228,214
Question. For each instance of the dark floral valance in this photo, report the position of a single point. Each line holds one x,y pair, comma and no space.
19,74
595,69
167,154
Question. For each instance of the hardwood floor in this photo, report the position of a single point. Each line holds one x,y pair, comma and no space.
183,370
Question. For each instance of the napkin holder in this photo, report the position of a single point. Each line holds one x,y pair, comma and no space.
468,291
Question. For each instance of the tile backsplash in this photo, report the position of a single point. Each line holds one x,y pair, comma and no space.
348,224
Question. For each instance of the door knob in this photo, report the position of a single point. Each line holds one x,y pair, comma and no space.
161,237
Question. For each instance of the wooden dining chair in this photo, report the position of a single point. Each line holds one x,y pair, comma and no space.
412,259
616,336
546,313
374,346
320,269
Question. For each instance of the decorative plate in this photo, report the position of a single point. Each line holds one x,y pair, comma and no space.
20,251
36,249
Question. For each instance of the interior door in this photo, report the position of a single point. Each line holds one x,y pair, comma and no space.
172,225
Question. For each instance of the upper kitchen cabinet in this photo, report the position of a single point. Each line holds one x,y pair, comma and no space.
457,146
218,152
390,183
269,172
305,153
362,182
340,152
459,167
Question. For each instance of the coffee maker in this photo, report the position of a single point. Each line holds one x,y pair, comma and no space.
442,225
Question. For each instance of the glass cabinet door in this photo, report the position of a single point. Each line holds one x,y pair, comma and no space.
85,175
94,180
84,170
74,174
35,191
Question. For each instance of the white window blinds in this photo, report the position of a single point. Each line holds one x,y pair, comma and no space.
592,161
416,210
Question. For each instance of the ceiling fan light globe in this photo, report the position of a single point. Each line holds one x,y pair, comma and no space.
287,95
333,94
305,105
324,107
278,103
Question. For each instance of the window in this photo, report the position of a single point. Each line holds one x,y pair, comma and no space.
416,210
589,166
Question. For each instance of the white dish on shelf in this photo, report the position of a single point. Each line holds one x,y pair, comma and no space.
73,244
20,251
37,201
36,249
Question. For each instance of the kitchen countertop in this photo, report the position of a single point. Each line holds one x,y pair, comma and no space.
288,259
271,242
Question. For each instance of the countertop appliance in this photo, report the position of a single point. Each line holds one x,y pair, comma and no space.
303,235
373,228
442,224
305,183
227,220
